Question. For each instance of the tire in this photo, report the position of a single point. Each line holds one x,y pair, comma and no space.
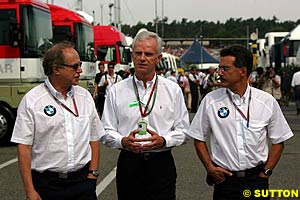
7,121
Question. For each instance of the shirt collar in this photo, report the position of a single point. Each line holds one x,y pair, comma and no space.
149,83
237,98
55,93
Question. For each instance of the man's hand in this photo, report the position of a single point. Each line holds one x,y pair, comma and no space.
33,196
218,174
156,141
131,142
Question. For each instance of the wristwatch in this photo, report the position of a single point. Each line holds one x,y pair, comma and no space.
94,173
268,172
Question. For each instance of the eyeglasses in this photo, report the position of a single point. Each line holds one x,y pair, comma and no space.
226,68
74,67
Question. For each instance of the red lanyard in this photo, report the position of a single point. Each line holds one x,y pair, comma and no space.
68,109
239,110
76,114
154,88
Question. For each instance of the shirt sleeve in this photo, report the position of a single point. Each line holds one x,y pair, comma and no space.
200,126
111,138
177,134
278,128
102,80
23,132
97,129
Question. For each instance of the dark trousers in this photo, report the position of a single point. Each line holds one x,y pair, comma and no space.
100,102
146,176
75,187
233,187
195,99
297,97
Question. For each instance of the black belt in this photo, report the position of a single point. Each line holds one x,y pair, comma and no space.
64,175
247,172
146,155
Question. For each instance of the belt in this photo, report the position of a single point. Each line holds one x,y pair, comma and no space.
64,175
146,155
247,172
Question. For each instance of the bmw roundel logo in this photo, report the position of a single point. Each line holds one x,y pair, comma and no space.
49,110
223,112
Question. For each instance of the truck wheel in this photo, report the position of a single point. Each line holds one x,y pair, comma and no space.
7,121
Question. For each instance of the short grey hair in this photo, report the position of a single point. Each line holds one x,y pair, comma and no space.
145,35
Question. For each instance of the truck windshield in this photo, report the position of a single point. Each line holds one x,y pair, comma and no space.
84,39
294,45
7,17
106,53
37,31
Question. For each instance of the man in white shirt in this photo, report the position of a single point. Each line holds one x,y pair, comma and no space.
110,78
172,77
145,116
296,89
58,130
240,121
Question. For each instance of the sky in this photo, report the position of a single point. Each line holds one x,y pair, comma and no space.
133,11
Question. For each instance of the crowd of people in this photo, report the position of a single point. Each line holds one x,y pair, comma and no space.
58,129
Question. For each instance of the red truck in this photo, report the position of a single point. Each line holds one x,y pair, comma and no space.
25,34
72,27
110,46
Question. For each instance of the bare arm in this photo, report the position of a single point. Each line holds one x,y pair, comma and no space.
217,173
24,157
95,91
94,164
273,157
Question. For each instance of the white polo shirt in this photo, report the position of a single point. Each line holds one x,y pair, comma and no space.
60,141
110,79
169,117
296,79
234,146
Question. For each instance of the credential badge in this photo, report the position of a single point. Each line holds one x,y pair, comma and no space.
49,110
223,112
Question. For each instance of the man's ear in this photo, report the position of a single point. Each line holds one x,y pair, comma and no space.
244,71
55,69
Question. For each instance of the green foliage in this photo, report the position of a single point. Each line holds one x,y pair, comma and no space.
231,28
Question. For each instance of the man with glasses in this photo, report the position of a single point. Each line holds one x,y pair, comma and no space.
240,121
58,130
145,116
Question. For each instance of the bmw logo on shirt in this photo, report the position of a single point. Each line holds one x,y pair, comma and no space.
223,112
49,110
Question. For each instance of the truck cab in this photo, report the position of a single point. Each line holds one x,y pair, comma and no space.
110,46
71,27
26,32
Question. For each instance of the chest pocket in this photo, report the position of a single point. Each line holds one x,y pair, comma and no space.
255,133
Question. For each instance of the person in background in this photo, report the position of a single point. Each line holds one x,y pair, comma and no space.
285,87
296,89
108,80
172,77
259,78
187,91
194,87
58,130
210,82
272,83
99,93
240,121
145,117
